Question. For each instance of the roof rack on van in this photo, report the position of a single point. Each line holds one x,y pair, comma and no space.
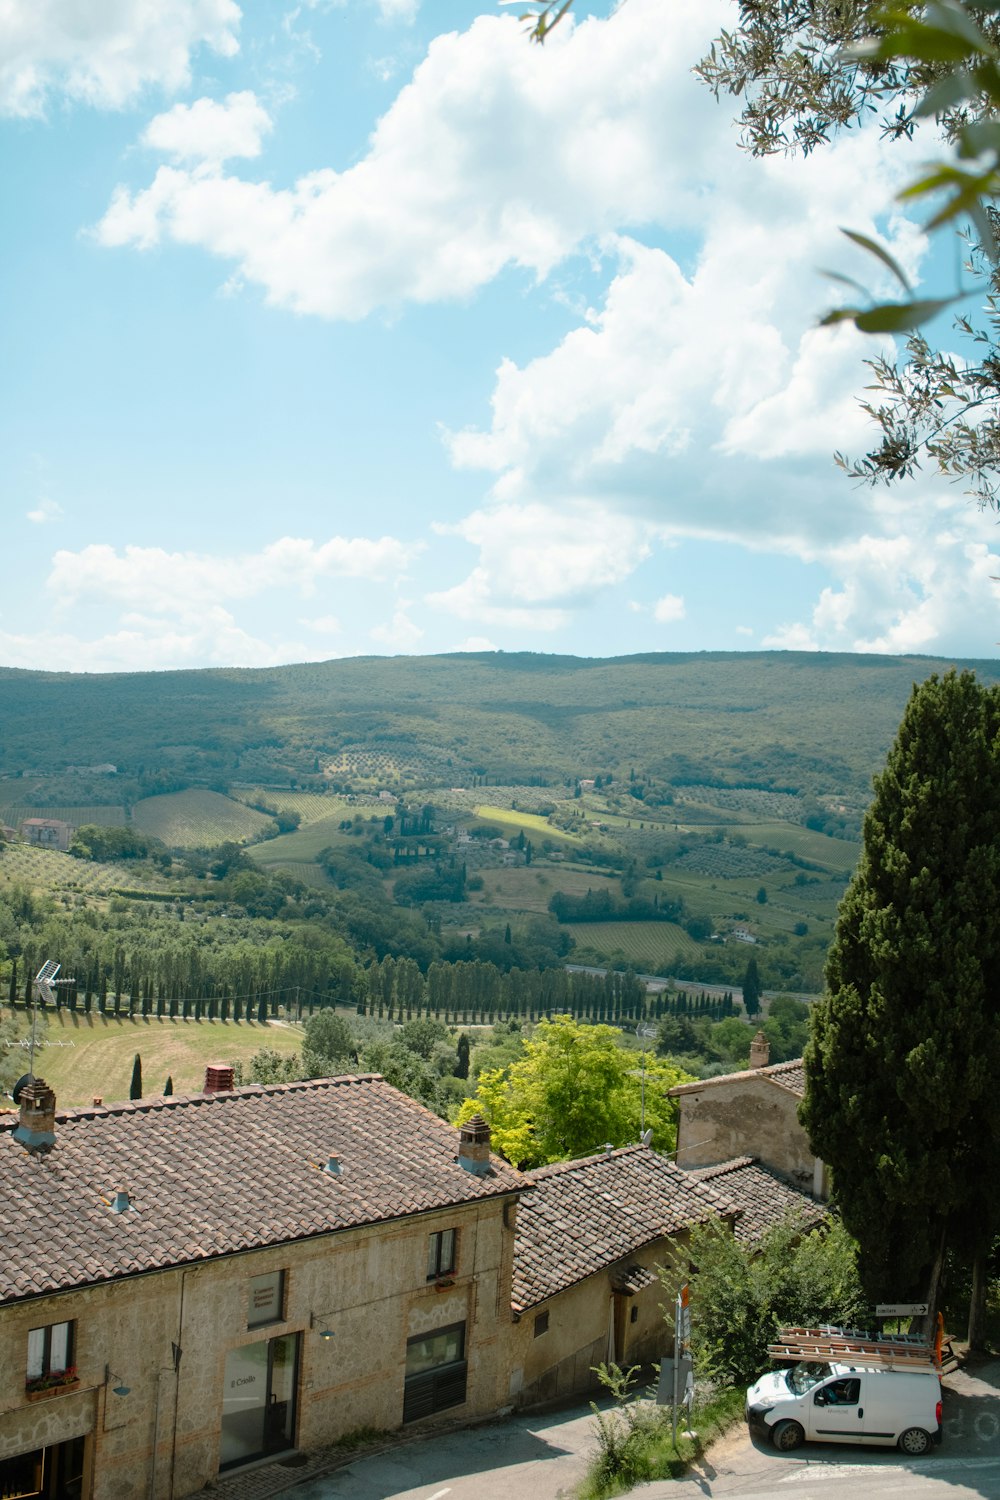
845,1347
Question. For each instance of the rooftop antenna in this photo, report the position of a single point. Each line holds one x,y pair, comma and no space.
644,1033
41,990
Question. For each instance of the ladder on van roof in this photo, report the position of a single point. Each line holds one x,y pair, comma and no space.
903,1351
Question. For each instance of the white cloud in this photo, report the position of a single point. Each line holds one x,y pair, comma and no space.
476,643
668,609
496,154
45,511
400,633
744,630
323,625
207,131
537,560
905,593
147,643
172,583
104,52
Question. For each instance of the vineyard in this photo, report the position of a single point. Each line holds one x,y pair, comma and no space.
197,819
105,815
647,946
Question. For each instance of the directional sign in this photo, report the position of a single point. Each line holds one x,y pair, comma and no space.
901,1310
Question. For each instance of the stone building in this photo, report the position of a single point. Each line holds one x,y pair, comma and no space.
590,1235
752,1113
47,833
193,1283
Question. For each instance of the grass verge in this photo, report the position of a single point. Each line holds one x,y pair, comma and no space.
634,1443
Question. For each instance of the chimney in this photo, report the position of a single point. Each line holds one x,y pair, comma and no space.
474,1146
760,1051
218,1079
121,1202
36,1127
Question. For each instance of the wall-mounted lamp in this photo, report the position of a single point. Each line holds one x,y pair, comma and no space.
121,1389
320,1323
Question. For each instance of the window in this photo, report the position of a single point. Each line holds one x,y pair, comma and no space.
436,1369
441,1254
267,1299
50,1351
541,1323
839,1393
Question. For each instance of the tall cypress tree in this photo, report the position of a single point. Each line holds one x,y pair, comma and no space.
135,1088
751,988
904,1058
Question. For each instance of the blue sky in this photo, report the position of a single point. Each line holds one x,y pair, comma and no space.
344,329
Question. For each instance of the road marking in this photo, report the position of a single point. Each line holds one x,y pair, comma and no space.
813,1473
440,1494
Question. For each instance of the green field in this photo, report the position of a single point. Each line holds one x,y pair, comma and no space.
197,819
521,888
533,825
91,1056
649,946
105,815
312,807
835,854
300,847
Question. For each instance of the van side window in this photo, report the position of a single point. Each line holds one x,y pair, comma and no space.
839,1393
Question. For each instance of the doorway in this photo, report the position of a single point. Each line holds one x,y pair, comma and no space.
258,1401
54,1473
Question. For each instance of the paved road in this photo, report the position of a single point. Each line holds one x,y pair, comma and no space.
543,1458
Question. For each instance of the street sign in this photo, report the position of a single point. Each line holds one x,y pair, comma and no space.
684,1314
901,1310
673,1383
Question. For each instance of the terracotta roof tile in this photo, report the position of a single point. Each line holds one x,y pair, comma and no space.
761,1196
789,1075
210,1174
584,1216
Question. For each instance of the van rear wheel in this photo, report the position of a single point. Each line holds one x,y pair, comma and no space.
914,1441
788,1435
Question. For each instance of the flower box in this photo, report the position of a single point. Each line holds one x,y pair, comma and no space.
55,1384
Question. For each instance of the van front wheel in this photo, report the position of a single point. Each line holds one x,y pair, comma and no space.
789,1435
914,1441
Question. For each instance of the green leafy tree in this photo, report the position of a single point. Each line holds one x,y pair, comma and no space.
575,1089
135,1087
905,1050
329,1042
804,72
743,1291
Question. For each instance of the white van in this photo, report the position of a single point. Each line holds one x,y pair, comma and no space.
847,1403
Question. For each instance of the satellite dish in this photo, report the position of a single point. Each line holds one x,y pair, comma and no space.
20,1086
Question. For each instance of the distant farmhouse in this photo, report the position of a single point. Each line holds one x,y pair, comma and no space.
47,833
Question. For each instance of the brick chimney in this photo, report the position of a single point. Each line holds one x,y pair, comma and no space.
760,1051
218,1079
474,1146
36,1127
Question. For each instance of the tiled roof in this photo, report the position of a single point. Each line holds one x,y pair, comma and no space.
788,1075
762,1197
212,1174
584,1216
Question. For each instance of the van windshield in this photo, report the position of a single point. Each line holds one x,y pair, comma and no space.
803,1376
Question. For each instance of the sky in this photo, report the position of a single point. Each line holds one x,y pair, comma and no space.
336,329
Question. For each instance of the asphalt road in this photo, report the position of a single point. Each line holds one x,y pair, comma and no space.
543,1458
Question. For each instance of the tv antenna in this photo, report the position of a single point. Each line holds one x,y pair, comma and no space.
43,989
